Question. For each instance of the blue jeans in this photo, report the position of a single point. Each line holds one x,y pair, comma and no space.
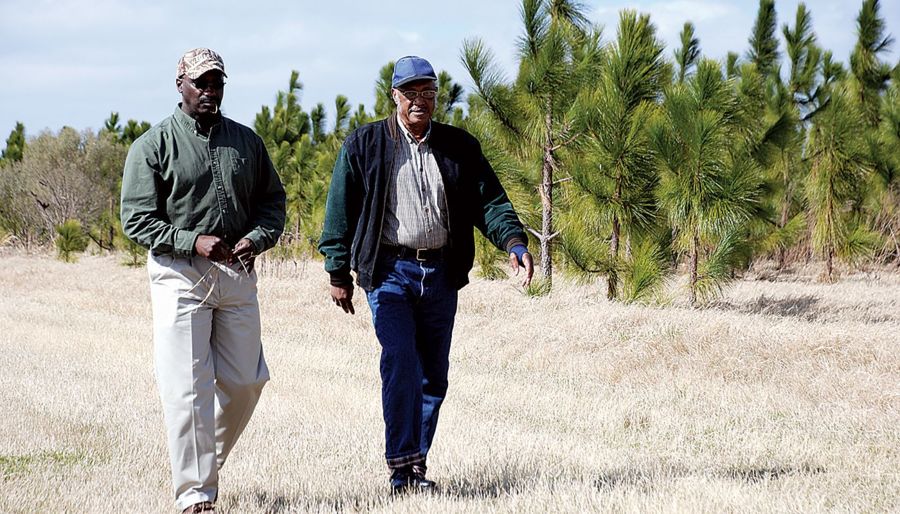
413,306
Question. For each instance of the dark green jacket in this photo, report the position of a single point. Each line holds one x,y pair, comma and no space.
354,212
179,184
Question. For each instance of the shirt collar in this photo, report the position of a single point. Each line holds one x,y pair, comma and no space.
409,137
188,122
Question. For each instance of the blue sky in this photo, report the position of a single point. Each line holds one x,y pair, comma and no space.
72,62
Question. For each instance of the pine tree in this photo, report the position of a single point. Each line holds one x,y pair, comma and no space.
317,123
133,129
707,189
70,239
617,175
449,95
384,101
533,118
126,135
763,43
286,131
839,165
15,145
886,186
870,73
732,61
341,116
112,126
804,59
686,56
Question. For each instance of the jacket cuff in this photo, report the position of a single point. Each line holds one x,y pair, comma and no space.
259,245
184,242
341,278
513,241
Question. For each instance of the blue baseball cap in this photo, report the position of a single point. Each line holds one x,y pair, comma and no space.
410,68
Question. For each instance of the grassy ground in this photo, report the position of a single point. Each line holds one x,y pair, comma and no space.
782,397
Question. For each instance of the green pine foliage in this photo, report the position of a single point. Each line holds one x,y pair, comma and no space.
615,172
621,163
126,135
707,189
294,139
686,56
870,73
804,61
763,43
643,273
15,146
533,118
70,240
839,166
135,254
490,260
884,200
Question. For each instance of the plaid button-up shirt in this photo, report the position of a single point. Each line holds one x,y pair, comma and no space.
416,210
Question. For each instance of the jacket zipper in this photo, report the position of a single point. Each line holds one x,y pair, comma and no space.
383,211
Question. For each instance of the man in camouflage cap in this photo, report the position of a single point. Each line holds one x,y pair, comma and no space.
200,192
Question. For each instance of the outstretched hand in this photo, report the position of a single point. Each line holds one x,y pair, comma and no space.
528,264
342,296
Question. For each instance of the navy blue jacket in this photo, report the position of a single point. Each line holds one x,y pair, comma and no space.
354,212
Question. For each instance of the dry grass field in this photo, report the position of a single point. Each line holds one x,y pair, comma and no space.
782,397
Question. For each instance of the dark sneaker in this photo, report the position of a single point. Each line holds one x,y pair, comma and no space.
410,479
198,508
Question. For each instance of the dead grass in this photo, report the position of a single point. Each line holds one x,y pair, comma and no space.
781,397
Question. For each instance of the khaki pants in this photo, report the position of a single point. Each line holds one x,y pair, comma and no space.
209,365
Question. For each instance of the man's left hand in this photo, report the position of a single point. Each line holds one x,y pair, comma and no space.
528,264
245,253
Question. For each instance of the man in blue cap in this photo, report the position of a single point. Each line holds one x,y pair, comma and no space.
405,195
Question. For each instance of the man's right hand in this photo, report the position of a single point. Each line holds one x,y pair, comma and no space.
213,248
342,296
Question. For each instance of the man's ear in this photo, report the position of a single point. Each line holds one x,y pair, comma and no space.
178,84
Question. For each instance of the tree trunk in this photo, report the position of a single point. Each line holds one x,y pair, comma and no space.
612,278
785,207
829,244
695,250
785,212
547,199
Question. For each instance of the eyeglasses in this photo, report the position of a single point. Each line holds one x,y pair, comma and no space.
208,84
428,94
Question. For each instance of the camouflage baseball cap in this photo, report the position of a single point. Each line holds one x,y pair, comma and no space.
198,61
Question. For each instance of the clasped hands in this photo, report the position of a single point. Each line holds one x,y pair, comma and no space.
216,249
